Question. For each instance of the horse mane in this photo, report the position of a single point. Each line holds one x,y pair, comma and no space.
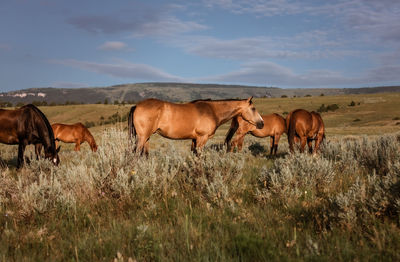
46,121
216,100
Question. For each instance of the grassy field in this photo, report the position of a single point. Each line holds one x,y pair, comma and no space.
341,205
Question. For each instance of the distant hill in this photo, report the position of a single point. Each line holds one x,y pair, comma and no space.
170,92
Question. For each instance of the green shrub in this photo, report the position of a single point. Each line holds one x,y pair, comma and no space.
352,103
323,108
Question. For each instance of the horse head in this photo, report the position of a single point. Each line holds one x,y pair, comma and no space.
51,153
93,146
250,113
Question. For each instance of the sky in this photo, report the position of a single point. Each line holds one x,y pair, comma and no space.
280,43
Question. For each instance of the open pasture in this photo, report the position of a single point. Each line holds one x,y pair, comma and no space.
341,205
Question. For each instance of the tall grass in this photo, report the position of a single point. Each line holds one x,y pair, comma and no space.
343,204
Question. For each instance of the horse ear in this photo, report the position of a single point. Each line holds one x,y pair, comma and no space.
249,99
58,149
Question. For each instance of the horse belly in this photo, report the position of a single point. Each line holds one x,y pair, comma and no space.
66,136
176,132
177,122
8,139
9,133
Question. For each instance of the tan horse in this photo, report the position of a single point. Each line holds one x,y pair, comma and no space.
274,126
76,133
197,120
305,127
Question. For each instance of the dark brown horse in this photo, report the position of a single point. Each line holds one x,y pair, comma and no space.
274,127
76,133
305,127
197,120
24,126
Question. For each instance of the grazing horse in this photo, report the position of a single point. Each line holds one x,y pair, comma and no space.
24,126
76,133
196,120
306,127
274,126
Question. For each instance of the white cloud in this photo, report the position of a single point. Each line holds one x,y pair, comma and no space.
141,21
310,45
375,20
168,26
121,69
113,46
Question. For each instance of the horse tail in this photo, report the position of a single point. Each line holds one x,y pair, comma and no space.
288,123
131,125
291,129
232,130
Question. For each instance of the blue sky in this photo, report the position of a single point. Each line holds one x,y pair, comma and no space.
282,43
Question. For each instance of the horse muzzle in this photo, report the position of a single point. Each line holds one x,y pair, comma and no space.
260,125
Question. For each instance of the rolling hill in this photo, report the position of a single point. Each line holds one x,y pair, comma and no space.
171,92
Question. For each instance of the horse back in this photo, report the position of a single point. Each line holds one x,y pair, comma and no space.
300,122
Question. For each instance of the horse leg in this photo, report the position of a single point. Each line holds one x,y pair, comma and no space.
309,143
201,141
272,140
240,141
317,144
38,149
77,146
146,148
303,142
21,150
276,142
140,145
193,147
234,143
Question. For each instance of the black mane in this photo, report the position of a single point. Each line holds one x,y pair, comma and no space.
46,121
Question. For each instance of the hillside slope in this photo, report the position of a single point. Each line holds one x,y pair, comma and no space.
170,92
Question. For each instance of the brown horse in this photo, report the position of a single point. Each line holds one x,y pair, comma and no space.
24,126
274,126
76,133
306,127
197,120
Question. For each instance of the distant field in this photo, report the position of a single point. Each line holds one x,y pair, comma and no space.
376,112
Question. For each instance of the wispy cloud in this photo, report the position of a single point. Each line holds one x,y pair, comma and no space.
309,45
141,21
267,73
5,47
378,20
121,69
114,46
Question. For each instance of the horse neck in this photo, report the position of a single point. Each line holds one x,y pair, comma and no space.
44,131
44,135
225,110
